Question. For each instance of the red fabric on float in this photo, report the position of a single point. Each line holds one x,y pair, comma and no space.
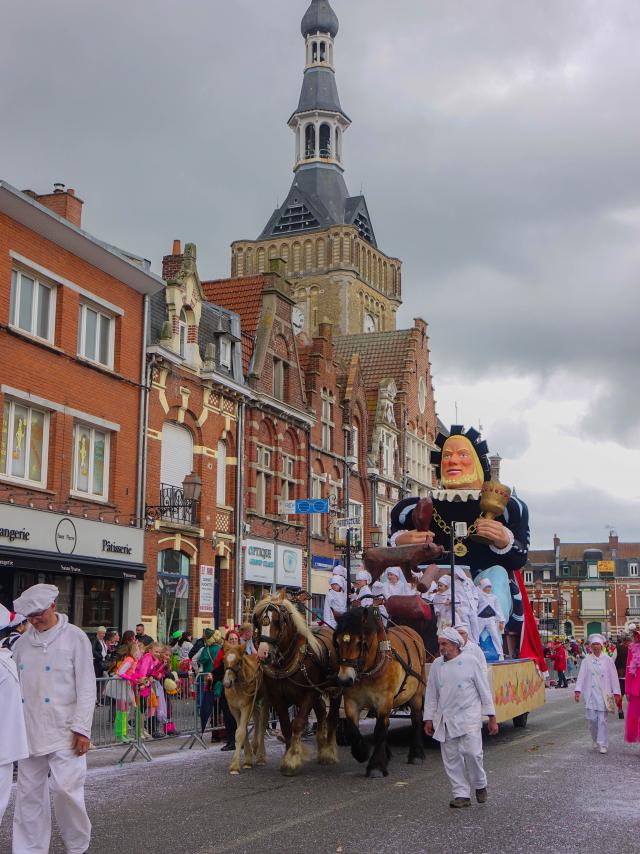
530,643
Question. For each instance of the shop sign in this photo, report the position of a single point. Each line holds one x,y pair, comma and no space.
39,530
207,584
259,561
289,566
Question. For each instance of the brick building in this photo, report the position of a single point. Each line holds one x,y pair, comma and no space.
277,435
72,312
582,588
195,397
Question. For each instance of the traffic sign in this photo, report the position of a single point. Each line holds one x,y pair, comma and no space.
305,506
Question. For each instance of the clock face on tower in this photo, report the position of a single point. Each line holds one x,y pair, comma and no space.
369,323
297,319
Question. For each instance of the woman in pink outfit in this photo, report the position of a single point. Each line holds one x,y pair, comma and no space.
632,689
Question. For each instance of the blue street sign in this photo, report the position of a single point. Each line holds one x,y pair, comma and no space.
312,505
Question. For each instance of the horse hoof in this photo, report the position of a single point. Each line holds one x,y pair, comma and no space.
248,765
261,763
327,760
288,771
415,760
234,773
375,773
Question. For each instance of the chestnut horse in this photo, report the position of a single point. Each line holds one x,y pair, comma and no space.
245,695
299,667
380,670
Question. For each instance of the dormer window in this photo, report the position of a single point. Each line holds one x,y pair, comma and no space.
183,329
225,352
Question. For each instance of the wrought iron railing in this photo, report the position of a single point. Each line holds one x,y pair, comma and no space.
173,506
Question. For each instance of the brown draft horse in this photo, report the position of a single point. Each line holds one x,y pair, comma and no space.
299,667
245,695
379,670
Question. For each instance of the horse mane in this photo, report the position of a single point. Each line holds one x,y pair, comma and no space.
351,622
299,622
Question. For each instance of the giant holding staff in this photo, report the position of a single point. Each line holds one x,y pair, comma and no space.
497,540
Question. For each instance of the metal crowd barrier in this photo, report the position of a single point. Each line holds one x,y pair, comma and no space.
132,716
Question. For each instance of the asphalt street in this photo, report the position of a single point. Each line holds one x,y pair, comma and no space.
548,792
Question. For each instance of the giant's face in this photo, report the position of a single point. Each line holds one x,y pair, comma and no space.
461,467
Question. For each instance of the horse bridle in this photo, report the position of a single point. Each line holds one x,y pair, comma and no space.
260,637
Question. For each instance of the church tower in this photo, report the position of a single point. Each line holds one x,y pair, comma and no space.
324,235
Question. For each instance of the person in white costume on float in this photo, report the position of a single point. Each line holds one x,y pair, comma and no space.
490,616
363,597
335,602
456,698
13,733
55,666
396,584
468,602
599,684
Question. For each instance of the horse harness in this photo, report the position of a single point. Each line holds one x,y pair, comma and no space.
384,654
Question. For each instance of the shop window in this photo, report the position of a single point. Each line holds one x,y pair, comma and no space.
96,603
96,333
172,593
24,443
90,463
32,307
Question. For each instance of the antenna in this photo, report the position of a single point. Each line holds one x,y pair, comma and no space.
455,403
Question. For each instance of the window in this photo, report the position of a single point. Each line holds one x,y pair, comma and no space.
225,352
90,462
634,601
633,568
95,335
263,479
327,420
183,331
418,458
221,474
388,443
288,487
278,379
383,520
355,446
546,575
32,307
528,576
355,512
172,593
24,443
316,518
592,570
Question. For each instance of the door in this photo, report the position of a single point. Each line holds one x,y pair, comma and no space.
594,628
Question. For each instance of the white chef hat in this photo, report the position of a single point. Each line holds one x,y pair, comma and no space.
445,579
337,579
395,570
453,636
6,616
484,583
461,627
36,598
363,575
18,619
340,570
596,639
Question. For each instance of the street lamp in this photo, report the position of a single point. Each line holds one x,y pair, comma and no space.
376,536
192,487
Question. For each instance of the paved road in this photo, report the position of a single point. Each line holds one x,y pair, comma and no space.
548,793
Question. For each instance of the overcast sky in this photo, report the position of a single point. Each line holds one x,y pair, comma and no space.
497,142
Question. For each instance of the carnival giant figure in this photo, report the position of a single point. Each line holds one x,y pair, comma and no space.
494,548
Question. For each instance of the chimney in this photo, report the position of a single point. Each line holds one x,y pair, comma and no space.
613,544
172,264
556,541
62,202
278,266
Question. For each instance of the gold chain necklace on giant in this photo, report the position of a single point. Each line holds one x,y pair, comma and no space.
459,548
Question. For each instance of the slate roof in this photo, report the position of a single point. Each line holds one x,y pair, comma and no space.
382,354
213,320
244,297
320,92
320,18
575,551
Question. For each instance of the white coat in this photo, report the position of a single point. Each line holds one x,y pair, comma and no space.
335,602
472,649
13,733
58,685
592,670
457,697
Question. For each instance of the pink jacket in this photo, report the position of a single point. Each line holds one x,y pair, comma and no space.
632,677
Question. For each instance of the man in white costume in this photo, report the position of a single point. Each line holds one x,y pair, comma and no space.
456,698
468,602
55,665
597,680
363,595
471,648
335,602
379,598
493,620
13,734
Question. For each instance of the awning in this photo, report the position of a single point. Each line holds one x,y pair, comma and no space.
38,561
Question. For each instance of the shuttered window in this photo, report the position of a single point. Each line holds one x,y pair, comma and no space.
177,454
